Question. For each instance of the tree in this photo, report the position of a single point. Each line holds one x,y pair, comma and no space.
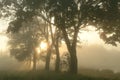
52,37
105,16
77,14
25,10
25,41
110,25
69,14
56,39
66,17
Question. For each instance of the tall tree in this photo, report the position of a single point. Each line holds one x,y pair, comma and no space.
69,14
56,37
76,14
24,42
25,10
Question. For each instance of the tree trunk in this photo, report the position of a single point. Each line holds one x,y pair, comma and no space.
71,46
55,43
73,61
34,61
57,64
47,65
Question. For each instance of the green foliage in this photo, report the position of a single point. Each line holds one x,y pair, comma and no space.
20,47
63,11
12,25
104,14
25,41
107,19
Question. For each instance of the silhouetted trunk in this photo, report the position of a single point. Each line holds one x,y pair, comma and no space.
71,46
48,55
47,64
73,60
34,61
57,64
55,43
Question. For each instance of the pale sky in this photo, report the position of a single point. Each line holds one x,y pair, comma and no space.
93,53
96,54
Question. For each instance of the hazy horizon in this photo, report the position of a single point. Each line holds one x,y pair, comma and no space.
92,56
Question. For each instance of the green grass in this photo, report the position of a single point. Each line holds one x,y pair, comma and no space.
44,76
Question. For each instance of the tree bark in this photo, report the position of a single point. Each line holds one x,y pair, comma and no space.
72,49
34,61
57,64
47,65
73,61
55,43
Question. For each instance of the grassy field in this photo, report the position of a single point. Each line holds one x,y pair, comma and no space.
46,76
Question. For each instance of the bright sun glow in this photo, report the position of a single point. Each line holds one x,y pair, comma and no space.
43,45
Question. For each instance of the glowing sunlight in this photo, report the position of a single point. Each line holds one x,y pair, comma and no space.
43,45
37,50
89,35
3,38
3,42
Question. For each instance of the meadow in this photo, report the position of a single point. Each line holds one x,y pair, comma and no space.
47,76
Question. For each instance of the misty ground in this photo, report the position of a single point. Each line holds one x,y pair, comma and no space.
9,65
85,74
